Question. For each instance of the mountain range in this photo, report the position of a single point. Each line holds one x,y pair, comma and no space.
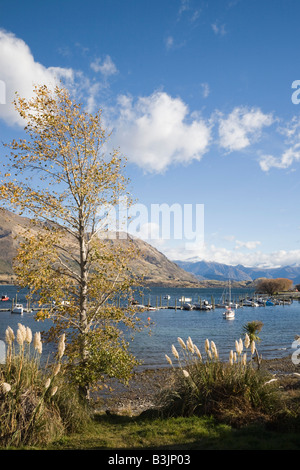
205,270
156,268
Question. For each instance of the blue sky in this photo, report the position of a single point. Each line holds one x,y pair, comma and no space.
198,95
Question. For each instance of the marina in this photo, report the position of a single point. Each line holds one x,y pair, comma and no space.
250,300
170,320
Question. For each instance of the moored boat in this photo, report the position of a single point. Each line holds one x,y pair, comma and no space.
18,308
250,303
187,306
185,299
229,314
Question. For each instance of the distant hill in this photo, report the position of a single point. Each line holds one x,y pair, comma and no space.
205,270
12,228
156,268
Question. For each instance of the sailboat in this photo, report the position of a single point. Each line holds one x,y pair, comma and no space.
229,314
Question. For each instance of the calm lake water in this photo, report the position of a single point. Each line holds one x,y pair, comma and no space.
280,324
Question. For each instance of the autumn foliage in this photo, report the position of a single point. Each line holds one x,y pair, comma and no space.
62,177
273,286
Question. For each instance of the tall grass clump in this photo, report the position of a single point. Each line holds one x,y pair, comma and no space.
235,392
34,405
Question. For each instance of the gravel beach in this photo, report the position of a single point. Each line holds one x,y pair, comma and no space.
145,385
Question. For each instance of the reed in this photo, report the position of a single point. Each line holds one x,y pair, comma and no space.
31,398
204,385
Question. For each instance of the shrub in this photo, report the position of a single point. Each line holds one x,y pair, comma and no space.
273,286
34,405
234,392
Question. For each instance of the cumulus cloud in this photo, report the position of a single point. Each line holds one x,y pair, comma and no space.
154,131
20,72
242,127
284,161
157,130
105,67
291,144
213,253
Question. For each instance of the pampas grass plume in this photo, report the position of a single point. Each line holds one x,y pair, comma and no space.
198,352
28,337
181,342
244,359
21,334
61,346
47,383
190,345
169,359
214,349
5,387
56,370
37,343
174,351
9,335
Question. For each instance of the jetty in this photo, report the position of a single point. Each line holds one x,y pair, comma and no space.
212,304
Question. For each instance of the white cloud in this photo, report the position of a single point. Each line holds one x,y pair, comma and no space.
242,127
20,72
251,245
205,89
223,255
169,42
287,158
154,131
218,29
184,6
157,130
291,132
105,67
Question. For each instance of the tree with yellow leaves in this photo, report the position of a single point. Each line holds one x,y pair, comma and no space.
62,178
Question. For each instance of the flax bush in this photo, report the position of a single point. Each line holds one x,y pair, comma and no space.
34,408
235,392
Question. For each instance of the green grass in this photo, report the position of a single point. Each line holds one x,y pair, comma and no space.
193,433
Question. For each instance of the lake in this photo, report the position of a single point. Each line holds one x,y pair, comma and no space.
280,324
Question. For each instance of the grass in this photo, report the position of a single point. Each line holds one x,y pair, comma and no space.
193,433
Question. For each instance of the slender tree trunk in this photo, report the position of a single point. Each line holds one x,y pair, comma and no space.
84,388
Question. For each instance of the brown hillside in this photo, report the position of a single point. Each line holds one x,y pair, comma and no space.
156,268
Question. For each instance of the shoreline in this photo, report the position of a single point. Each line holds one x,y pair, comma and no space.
144,386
